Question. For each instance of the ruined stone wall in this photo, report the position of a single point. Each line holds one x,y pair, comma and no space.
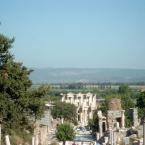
43,132
114,104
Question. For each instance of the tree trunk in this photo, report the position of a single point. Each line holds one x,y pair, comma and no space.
63,142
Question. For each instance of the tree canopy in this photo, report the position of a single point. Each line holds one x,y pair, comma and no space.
65,132
141,104
126,103
123,89
17,99
64,110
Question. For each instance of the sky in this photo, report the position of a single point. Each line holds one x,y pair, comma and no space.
76,33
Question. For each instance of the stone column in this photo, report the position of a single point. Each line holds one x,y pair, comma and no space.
36,139
85,113
97,136
36,133
7,140
81,100
100,128
135,117
83,118
115,137
91,115
77,115
122,119
106,140
112,137
62,99
80,122
62,120
144,132
33,140
71,100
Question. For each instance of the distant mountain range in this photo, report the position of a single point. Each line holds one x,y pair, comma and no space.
86,75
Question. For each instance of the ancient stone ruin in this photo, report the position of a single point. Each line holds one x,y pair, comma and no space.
85,103
112,124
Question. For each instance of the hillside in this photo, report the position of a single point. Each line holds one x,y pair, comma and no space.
69,75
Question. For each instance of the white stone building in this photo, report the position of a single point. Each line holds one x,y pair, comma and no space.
85,103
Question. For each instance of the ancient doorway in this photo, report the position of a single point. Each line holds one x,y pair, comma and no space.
79,117
119,121
104,127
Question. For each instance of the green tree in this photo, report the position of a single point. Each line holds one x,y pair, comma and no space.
126,103
104,106
36,105
65,132
141,105
141,100
124,89
5,45
14,82
75,86
17,100
65,110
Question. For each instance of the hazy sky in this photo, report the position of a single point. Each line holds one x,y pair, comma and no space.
76,33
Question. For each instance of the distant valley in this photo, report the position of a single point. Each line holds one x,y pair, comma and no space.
86,75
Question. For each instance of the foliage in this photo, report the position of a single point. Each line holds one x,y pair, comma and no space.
128,119
75,86
141,100
17,100
64,110
14,82
5,45
141,104
104,106
36,105
53,96
17,136
126,103
65,132
123,89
